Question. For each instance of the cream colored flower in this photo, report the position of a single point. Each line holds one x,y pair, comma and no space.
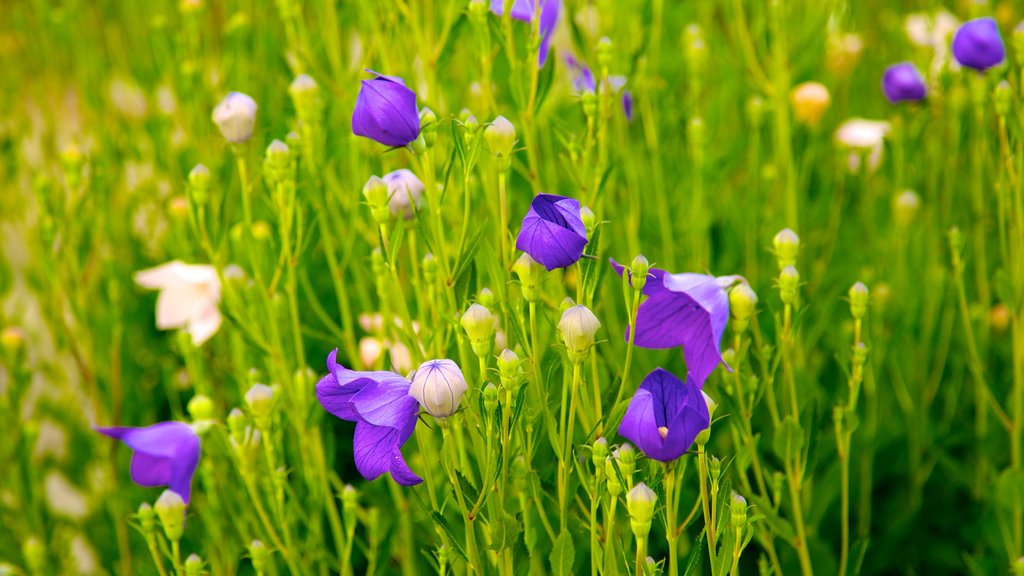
188,299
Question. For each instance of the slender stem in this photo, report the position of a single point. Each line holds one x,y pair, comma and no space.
709,528
671,529
471,548
503,223
155,553
792,470
176,557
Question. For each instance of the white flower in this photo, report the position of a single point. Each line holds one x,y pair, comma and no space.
577,328
934,31
188,299
404,190
235,117
862,136
438,385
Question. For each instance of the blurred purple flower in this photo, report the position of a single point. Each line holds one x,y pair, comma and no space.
903,83
553,232
386,111
688,310
665,416
165,454
384,412
582,76
523,11
977,44
627,105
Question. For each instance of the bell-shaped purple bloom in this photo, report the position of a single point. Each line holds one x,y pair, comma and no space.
523,10
386,111
553,232
627,105
903,83
165,454
582,76
688,310
665,416
977,44
384,412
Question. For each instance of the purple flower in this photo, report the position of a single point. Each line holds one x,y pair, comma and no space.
688,310
665,416
553,232
523,11
384,412
627,105
166,454
977,44
386,111
903,83
582,77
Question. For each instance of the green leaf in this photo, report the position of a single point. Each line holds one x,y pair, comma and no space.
562,555
1010,489
789,439
447,528
693,563
505,532
547,74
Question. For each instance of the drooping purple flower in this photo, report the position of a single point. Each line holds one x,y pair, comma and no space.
627,105
582,76
688,310
977,44
553,232
665,416
165,454
523,10
384,412
903,83
386,111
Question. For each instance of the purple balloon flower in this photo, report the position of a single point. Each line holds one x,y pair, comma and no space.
386,111
166,454
523,10
553,232
665,416
977,44
903,83
582,77
627,105
688,310
384,412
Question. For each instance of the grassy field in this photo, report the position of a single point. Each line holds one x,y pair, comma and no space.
199,203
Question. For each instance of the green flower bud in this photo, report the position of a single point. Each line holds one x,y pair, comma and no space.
193,565
260,400
480,325
375,191
260,556
429,264
640,503
905,206
789,281
600,453
508,368
589,101
696,51
589,220
478,9
787,244
349,504
261,230
614,486
757,111
236,425
170,509
714,469
201,407
530,274
305,93
199,185
704,435
639,269
1004,99
490,395
419,145
500,136
428,120
34,552
742,304
577,329
738,511
147,519
277,163
485,298
625,454
605,50
565,304
859,297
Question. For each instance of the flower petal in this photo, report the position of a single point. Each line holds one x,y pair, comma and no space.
639,426
387,405
372,448
400,471
157,446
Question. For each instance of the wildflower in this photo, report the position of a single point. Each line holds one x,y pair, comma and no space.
688,310
170,509
977,44
523,10
640,503
665,416
480,325
165,454
235,117
627,105
386,111
384,412
810,101
188,298
577,329
500,136
786,245
405,193
582,76
438,385
903,83
553,232
860,136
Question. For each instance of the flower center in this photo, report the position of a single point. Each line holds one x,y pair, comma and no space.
663,431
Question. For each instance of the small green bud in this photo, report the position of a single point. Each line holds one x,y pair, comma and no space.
1004,99
260,400
170,509
640,503
714,469
742,304
508,368
201,407
757,111
696,51
485,298
349,503
375,191
859,297
199,185
500,136
34,552
787,245
729,354
904,207
478,8
294,140
600,453
147,519
639,269
565,304
605,50
577,329
236,425
625,454
305,93
789,281
480,325
589,101
589,220
530,274
260,556
738,511
429,265
193,565
428,120
614,486
490,395
704,435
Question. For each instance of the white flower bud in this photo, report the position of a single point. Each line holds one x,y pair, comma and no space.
438,385
500,137
235,117
577,329
405,193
